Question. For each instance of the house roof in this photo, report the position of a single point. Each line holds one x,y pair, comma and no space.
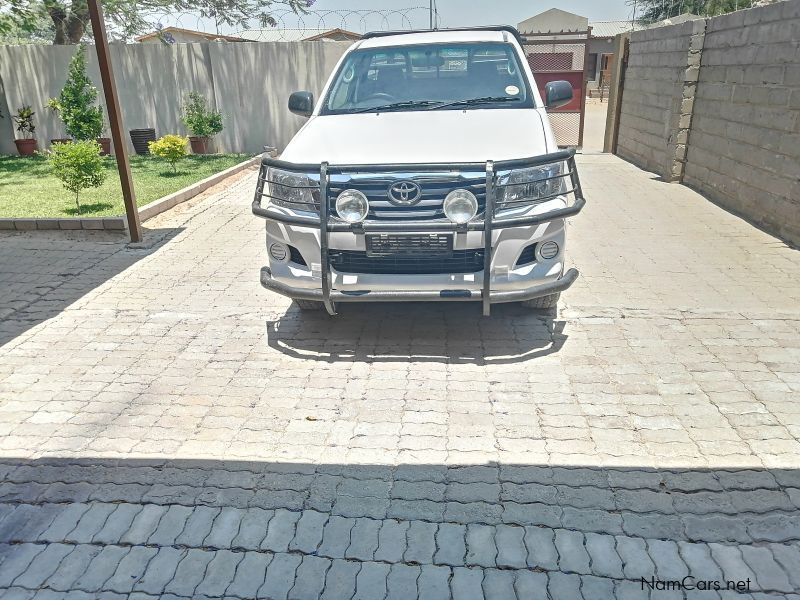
204,34
276,34
612,28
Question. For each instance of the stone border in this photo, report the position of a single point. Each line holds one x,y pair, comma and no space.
120,224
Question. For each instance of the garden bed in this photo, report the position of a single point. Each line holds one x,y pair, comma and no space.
28,190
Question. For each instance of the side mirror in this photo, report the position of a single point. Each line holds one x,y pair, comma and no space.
302,103
557,93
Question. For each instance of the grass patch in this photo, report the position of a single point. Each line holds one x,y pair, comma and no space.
27,189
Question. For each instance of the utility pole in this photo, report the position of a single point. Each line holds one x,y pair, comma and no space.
430,11
115,118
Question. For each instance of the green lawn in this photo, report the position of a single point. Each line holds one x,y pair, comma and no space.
27,189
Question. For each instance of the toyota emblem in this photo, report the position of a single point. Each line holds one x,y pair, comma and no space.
404,193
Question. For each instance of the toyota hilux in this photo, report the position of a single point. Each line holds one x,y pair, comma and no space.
426,171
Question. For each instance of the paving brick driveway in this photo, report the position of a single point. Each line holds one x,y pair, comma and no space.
169,429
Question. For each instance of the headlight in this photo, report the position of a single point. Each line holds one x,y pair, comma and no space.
532,184
460,206
292,190
352,206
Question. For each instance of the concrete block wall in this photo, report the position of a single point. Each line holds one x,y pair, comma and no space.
744,144
715,104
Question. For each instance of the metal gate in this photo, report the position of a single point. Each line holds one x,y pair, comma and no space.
562,55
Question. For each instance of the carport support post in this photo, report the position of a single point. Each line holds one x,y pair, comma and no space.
115,118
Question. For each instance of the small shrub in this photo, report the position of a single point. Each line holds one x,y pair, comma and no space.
24,121
78,165
199,119
75,105
171,148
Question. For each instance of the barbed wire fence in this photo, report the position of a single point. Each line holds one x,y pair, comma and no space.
285,25
647,13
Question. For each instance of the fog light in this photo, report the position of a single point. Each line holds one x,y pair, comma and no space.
278,251
352,206
460,206
548,250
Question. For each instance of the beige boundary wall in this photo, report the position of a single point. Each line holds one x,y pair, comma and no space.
249,82
715,104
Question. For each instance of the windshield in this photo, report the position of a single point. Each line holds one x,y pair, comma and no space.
428,77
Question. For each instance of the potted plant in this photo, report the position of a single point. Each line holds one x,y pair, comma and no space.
141,138
76,107
26,145
202,122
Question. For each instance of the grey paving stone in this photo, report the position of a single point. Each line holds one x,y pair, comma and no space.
117,524
250,575
392,541
481,549
160,571
769,575
190,572
498,585
336,537
219,573
170,526
144,524
101,568
310,578
451,546
65,522
729,559
280,576
467,583
669,565
16,520
131,568
572,554
308,534
340,581
280,531
541,546
699,562
635,561
789,558
253,528
42,566
363,539
603,555
90,523
35,523
511,550
433,582
401,582
225,528
564,585
421,539
197,526
371,581
72,566
597,587
531,585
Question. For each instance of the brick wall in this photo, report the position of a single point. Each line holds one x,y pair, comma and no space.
729,127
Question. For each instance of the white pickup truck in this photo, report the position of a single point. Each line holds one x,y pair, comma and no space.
427,171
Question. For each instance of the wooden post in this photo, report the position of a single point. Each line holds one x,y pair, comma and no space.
115,118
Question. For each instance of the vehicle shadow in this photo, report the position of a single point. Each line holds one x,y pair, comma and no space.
42,272
422,332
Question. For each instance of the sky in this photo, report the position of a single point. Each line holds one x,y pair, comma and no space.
366,15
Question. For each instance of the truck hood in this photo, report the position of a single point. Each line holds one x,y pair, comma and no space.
420,137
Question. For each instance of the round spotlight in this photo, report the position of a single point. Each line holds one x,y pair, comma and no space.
460,206
548,250
278,251
352,206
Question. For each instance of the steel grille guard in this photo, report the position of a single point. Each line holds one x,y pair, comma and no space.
487,223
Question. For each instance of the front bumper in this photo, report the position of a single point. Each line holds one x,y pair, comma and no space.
496,218
449,295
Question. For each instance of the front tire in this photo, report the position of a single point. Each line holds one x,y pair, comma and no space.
545,302
308,304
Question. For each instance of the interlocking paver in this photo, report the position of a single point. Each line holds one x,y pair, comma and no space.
166,425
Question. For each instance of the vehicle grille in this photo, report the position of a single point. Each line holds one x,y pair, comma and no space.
455,261
429,207
528,256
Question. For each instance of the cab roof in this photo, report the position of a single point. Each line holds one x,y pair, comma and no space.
379,39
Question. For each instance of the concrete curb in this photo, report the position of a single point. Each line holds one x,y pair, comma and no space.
120,224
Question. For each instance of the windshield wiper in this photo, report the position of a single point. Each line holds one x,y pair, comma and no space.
475,101
398,106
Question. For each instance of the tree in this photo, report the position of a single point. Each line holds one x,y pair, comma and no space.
69,19
650,11
78,166
82,118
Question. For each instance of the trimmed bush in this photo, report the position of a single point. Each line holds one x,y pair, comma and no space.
78,165
199,119
171,148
